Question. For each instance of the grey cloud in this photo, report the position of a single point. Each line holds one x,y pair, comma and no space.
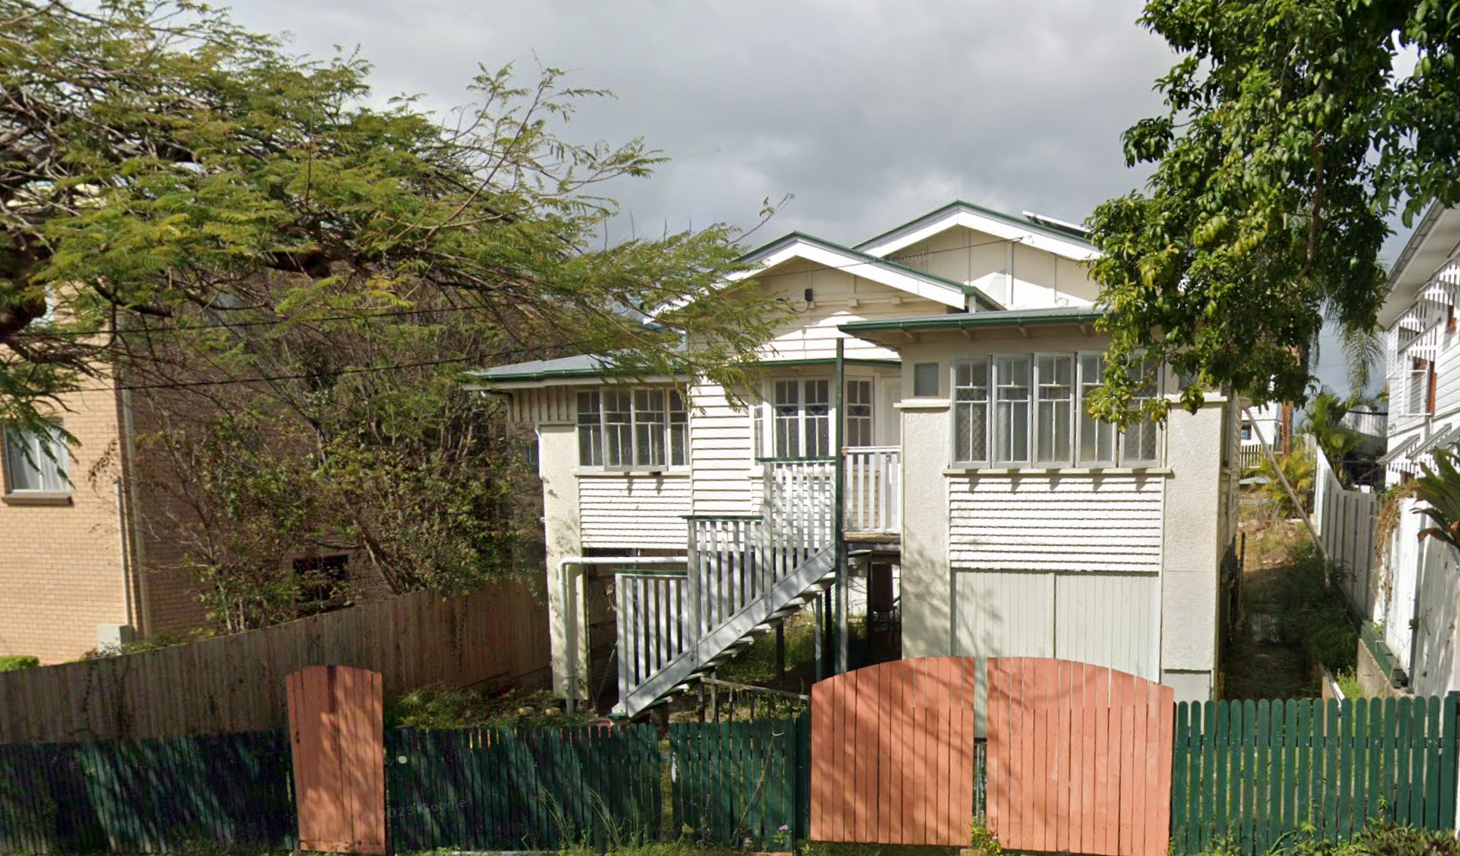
870,113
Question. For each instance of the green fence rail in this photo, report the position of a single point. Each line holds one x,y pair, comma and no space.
739,783
504,789
1256,773
147,796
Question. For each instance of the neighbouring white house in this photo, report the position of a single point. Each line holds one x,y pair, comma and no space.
1415,594
921,413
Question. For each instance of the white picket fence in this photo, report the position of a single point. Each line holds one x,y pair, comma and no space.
1347,522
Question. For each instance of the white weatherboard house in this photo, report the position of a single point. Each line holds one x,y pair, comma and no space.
923,410
1416,607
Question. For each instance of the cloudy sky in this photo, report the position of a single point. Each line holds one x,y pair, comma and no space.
869,113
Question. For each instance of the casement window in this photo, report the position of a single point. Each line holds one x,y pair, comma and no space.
1140,443
37,460
971,411
1096,437
1016,410
1011,410
624,429
1417,390
801,417
858,404
1054,383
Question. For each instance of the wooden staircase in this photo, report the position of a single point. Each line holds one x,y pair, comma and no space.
744,574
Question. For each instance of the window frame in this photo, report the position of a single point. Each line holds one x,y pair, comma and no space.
998,383
956,406
869,419
1037,377
1080,384
36,460
672,422
991,365
803,421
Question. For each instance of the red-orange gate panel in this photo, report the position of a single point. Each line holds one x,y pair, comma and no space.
1079,758
336,726
892,751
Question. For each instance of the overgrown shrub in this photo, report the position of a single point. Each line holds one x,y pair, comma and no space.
1304,596
1300,468
16,662
431,708
1405,841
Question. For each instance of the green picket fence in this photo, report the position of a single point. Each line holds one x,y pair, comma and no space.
147,796
530,788
1255,773
738,783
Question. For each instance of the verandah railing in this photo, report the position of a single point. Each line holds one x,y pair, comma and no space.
872,489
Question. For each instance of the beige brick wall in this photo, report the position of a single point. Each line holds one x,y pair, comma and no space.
61,571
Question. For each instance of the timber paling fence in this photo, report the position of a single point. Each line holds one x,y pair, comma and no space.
469,789
1256,774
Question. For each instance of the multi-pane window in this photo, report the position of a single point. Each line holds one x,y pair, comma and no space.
1418,388
1011,409
1018,410
36,460
1054,376
621,429
859,413
1140,443
802,418
1097,437
971,410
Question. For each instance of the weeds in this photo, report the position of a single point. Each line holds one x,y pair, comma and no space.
428,708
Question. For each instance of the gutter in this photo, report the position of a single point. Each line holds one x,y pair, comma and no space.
956,321
565,592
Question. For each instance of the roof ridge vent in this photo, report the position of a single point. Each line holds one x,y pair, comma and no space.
1056,223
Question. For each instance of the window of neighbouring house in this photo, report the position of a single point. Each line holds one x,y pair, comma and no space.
859,413
624,429
1417,390
37,460
801,412
1019,410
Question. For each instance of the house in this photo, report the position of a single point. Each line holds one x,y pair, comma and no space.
71,576
918,421
1415,609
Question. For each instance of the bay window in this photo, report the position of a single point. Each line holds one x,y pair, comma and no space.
623,429
1018,410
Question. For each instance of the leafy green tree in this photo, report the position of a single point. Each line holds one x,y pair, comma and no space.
1286,142
1323,421
161,167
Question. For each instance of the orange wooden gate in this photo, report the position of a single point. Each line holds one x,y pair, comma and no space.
1079,758
892,753
336,725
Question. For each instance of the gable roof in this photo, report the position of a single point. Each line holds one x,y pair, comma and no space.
1045,233
1435,241
797,245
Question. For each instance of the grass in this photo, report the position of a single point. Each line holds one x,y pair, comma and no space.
16,662
1348,684
427,708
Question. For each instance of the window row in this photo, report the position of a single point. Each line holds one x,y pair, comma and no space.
1029,410
800,413
36,460
632,429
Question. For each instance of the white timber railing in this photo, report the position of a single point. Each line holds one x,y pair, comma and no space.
743,573
872,485
651,627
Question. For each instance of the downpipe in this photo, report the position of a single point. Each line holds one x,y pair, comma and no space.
565,591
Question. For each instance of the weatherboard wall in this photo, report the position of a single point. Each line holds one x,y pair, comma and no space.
976,258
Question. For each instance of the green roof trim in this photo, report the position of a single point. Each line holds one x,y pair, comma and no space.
968,290
1020,221
1004,318
823,361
